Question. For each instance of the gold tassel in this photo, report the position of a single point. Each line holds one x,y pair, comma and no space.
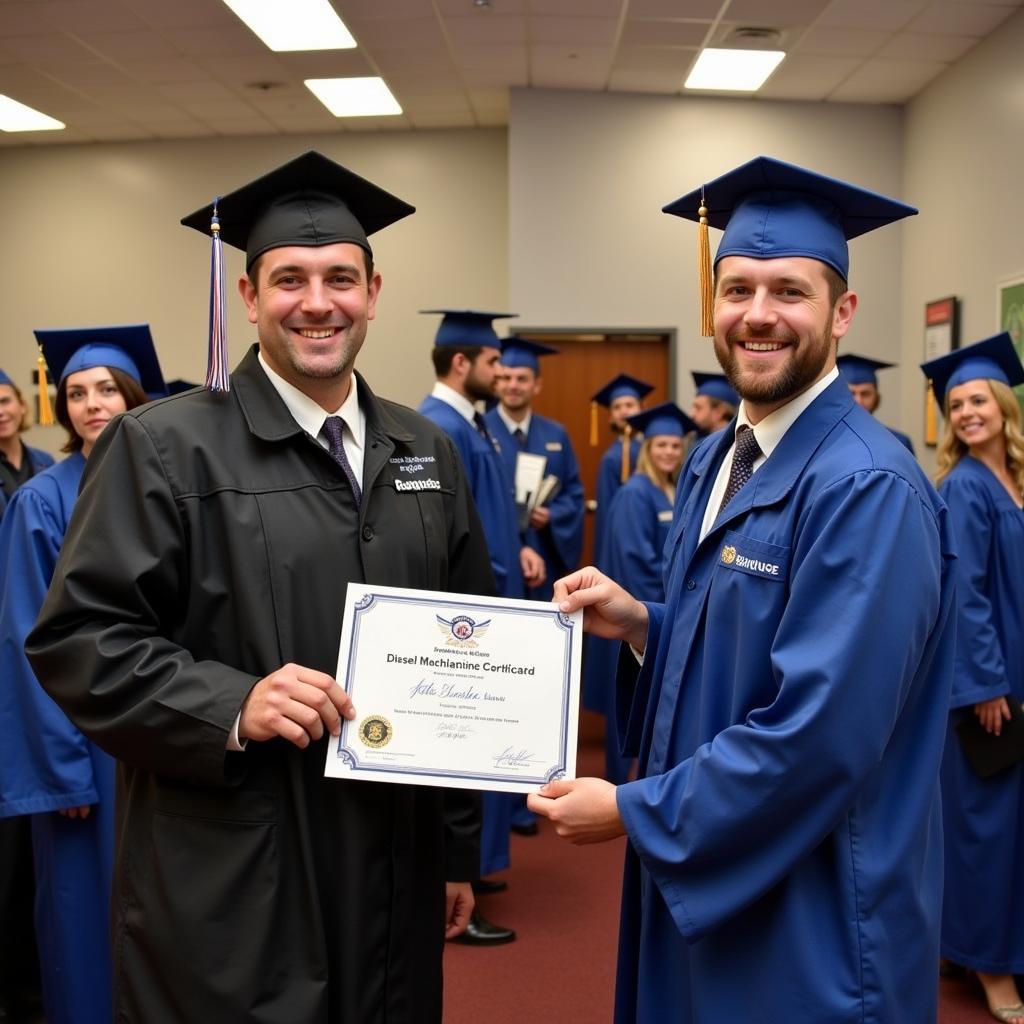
45,411
593,424
624,475
707,323
931,423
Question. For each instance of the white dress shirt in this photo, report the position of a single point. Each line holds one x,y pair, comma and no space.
768,433
511,424
460,403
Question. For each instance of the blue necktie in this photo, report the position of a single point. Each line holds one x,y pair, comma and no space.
745,454
333,429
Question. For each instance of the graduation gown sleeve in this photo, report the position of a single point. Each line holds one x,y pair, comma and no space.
720,828
45,764
635,541
980,665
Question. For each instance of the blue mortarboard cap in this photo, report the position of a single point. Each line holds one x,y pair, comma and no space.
861,369
769,209
666,419
992,358
621,385
4,379
127,347
716,385
516,352
465,328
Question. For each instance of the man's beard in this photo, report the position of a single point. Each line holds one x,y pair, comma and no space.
801,370
476,390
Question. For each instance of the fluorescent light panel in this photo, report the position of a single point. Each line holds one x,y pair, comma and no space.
733,70
16,117
354,97
295,24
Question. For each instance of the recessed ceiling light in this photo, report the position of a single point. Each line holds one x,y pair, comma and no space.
16,117
297,25
354,97
733,70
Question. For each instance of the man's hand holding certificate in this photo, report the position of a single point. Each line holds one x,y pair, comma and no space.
450,690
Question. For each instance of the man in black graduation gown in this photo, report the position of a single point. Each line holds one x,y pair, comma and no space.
194,633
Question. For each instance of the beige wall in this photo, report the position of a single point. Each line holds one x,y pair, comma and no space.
589,173
964,158
93,238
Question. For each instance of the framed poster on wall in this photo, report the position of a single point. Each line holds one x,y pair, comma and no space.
1011,318
941,336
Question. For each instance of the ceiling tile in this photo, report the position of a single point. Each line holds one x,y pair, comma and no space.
241,126
492,119
485,77
492,31
116,133
435,103
412,81
841,42
510,59
702,10
664,33
239,70
358,11
182,130
954,19
327,64
776,13
54,47
917,46
577,31
161,71
151,113
887,15
85,16
586,8
217,42
183,13
652,58
78,73
406,35
628,80
196,92
229,109
22,19
807,78
887,81
130,45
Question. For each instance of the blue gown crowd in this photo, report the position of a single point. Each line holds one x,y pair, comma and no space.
707,727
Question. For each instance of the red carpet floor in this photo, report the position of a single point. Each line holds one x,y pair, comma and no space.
564,903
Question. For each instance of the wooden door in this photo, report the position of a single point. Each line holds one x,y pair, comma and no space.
585,363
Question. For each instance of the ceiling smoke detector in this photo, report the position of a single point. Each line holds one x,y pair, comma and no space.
750,37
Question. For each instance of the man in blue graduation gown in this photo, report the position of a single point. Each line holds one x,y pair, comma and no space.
861,375
466,357
784,859
714,402
555,529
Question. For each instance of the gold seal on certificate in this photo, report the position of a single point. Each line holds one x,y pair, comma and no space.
452,690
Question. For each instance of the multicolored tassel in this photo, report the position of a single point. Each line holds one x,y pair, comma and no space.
45,409
593,424
217,358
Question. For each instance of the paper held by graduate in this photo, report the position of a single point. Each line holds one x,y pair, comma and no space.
451,690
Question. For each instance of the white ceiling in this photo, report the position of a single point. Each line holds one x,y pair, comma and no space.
158,69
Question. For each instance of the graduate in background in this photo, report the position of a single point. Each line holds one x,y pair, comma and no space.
555,529
641,513
861,375
622,396
714,404
18,462
48,769
981,477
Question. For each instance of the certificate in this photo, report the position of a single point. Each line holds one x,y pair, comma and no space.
450,690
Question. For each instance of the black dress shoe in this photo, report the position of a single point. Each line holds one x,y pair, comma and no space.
480,932
486,886
525,828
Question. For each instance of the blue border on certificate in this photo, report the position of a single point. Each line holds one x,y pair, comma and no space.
560,620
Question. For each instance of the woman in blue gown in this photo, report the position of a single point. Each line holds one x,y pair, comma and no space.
981,478
48,769
638,524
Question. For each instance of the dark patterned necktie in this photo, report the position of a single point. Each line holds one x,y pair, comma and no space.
519,436
481,428
745,454
333,429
